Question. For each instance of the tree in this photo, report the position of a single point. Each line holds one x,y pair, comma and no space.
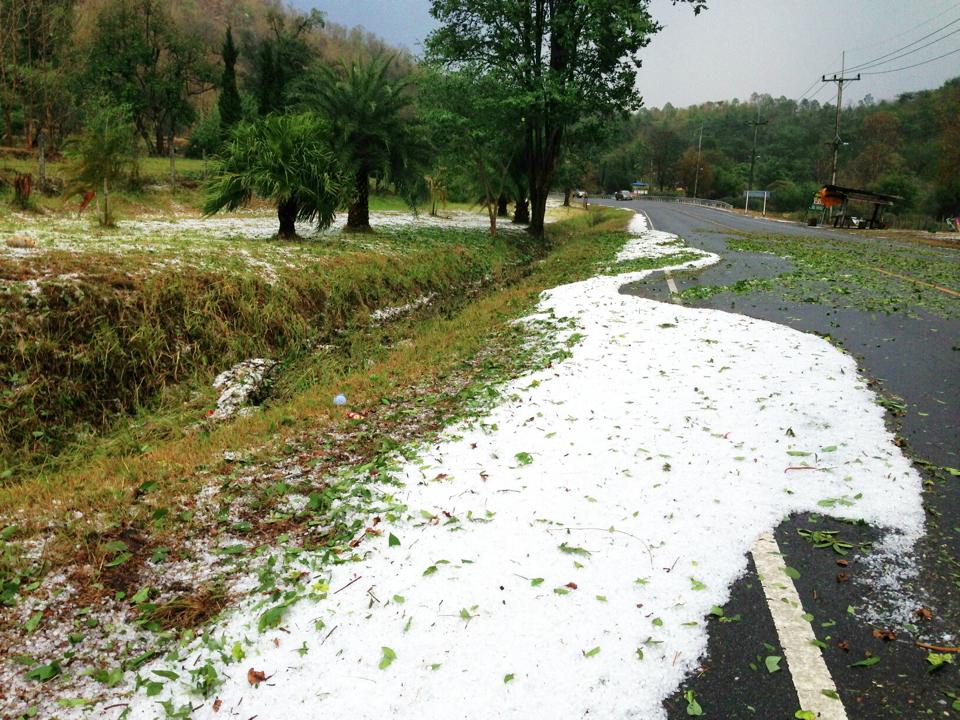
562,59
477,129
282,158
229,104
881,135
282,57
695,171
370,114
103,153
948,179
665,151
140,57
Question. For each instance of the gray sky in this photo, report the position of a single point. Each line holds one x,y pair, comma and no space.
742,46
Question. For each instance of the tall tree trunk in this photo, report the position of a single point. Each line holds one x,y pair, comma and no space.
566,197
7,124
42,182
521,211
538,208
358,214
158,139
287,214
106,204
173,158
502,205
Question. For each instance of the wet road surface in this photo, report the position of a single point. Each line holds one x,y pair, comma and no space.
911,355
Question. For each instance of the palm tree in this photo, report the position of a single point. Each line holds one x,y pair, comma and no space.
282,158
373,124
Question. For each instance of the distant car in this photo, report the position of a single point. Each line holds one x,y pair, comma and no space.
623,195
579,193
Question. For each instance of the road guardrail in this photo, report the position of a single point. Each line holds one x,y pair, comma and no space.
689,201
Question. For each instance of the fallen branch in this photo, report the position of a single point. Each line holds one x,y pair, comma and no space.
937,648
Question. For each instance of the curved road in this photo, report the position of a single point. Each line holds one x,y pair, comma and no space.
914,356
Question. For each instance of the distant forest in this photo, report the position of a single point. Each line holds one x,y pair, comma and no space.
908,147
61,60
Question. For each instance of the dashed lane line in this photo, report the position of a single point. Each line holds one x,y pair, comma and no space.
671,284
811,678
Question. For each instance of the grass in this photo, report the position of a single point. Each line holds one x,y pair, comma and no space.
871,274
129,504
113,337
119,467
150,166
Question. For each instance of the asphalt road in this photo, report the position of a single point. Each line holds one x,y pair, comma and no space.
912,355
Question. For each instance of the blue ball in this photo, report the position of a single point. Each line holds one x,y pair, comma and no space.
340,400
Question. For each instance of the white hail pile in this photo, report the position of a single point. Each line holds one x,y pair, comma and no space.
602,510
240,386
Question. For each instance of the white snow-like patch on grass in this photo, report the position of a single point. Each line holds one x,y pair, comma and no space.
240,385
389,313
601,509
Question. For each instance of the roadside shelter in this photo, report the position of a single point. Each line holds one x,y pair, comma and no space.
835,196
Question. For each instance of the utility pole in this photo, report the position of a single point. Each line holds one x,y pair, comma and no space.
753,155
839,80
696,178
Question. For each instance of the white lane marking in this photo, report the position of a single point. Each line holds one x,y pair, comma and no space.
807,668
672,285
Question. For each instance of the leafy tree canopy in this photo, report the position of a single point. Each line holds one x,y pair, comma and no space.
285,159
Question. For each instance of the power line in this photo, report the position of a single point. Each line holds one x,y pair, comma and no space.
907,67
868,66
804,93
907,31
877,60
807,91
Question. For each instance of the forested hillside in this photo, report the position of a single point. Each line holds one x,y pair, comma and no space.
909,146
61,58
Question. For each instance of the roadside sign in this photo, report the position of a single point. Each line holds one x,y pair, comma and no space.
756,193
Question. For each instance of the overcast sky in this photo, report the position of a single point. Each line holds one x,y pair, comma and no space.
737,47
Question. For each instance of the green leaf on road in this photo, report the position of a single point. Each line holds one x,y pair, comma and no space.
693,707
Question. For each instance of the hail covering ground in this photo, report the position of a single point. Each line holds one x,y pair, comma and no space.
559,556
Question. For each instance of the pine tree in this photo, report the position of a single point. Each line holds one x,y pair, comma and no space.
231,110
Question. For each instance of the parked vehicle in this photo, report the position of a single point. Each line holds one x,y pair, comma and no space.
623,195
579,193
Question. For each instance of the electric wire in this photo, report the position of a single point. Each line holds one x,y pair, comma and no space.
870,66
907,67
906,32
885,58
